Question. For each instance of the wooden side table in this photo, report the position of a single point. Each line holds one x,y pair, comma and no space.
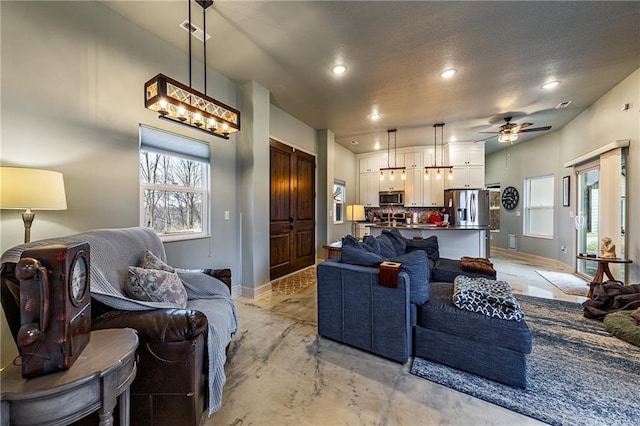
103,372
332,250
603,268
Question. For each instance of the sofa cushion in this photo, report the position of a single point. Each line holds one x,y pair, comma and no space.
446,270
355,253
153,285
416,266
440,314
397,240
387,250
151,261
430,245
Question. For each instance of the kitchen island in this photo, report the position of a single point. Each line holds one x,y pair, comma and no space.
453,241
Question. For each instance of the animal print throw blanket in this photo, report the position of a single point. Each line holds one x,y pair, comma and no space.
489,297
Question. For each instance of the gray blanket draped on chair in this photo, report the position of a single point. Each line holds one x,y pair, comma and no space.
125,247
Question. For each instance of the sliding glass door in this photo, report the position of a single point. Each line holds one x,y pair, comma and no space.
587,216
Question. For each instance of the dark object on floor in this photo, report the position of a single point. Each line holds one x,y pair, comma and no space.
624,326
611,296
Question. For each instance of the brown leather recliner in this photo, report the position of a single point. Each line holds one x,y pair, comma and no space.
171,385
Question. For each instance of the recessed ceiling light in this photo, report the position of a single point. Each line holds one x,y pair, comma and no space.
376,146
339,69
550,85
354,142
452,139
448,73
374,116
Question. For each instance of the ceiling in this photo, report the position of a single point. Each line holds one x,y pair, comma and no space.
394,51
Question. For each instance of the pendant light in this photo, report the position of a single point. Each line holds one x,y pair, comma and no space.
395,167
441,168
184,105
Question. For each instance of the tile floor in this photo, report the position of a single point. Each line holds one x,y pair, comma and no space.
279,372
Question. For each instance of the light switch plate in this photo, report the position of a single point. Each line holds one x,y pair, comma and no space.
226,215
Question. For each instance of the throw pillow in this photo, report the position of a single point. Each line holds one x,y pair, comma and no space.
151,261
371,244
386,246
397,240
152,285
415,265
360,256
430,245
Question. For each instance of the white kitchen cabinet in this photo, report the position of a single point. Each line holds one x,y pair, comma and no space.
369,189
388,184
370,164
433,191
465,154
413,188
466,177
414,160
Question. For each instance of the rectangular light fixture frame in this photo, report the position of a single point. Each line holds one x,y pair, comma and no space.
184,105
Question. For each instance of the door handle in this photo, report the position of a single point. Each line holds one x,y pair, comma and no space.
290,219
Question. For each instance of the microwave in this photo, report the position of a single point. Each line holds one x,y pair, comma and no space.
394,198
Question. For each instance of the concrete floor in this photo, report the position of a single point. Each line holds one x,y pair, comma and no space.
279,372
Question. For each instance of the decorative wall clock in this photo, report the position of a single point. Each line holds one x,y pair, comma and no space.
510,198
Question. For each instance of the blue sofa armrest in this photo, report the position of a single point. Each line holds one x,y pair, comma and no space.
353,308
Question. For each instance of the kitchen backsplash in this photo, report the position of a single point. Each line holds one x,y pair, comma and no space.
373,214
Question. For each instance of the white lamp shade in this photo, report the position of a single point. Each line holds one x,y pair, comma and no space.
355,212
22,188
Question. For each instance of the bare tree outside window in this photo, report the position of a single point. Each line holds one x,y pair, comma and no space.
174,193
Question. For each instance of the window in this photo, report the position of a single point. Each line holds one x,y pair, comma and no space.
338,201
174,185
538,207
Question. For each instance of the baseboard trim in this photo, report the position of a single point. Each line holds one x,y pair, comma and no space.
532,257
256,292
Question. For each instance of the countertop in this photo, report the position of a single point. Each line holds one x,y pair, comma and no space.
431,226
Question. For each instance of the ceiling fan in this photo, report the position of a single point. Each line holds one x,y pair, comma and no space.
508,132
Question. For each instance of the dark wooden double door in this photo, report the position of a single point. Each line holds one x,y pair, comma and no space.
292,209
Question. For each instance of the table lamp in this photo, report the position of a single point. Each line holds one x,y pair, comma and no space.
22,188
355,212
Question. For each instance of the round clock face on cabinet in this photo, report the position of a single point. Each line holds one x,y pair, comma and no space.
79,279
510,198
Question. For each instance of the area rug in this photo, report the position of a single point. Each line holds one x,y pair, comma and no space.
295,282
568,283
577,373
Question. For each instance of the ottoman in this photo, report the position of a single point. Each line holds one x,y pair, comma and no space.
486,346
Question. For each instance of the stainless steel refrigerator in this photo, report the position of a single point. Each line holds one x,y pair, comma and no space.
467,207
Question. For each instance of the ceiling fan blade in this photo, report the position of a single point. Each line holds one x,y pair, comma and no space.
490,132
523,125
535,129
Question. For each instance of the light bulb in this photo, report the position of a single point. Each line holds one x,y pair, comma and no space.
450,174
197,120
438,176
404,175
426,174
381,175
181,114
163,107
391,176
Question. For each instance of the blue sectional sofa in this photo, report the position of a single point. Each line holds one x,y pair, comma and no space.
418,317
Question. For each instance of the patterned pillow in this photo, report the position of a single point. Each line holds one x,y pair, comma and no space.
151,261
152,285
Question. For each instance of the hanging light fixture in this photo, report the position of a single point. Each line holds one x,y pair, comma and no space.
508,136
184,105
435,150
395,155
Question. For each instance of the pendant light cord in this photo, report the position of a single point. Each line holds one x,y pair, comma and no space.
189,1
204,25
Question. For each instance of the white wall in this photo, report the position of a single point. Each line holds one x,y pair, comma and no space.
344,169
600,124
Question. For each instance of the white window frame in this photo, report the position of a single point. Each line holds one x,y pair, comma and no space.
339,206
177,146
532,208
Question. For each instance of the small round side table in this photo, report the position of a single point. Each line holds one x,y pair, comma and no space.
102,373
603,267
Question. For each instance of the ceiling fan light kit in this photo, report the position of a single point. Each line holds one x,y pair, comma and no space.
391,170
184,105
435,161
508,132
